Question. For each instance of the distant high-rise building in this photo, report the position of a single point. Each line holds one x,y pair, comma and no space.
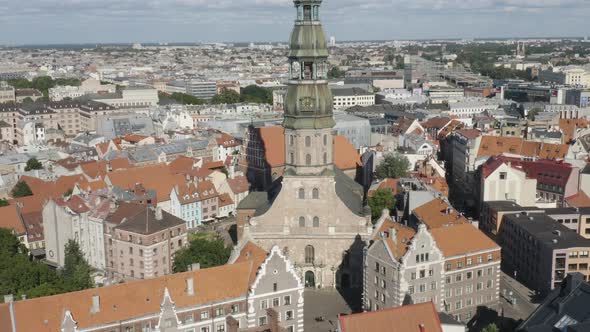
332,41
520,50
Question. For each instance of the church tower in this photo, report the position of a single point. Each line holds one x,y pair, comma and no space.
308,104
316,213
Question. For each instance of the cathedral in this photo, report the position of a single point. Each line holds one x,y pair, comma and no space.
315,213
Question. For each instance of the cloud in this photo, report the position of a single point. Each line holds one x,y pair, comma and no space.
194,20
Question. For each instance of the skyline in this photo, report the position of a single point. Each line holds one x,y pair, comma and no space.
109,21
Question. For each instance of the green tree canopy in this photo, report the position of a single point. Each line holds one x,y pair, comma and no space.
206,252
32,164
256,94
21,189
226,97
3,202
20,275
381,199
335,72
491,328
393,166
76,272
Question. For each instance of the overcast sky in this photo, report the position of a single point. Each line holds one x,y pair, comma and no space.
103,21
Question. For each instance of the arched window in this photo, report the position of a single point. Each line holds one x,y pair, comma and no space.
307,141
315,193
291,140
325,139
308,159
309,254
316,222
301,193
301,221
325,158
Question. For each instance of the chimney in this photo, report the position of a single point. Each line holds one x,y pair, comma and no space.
422,327
158,213
95,304
190,289
8,298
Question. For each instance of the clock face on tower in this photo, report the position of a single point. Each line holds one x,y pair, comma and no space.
307,104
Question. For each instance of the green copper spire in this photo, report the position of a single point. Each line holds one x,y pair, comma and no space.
308,104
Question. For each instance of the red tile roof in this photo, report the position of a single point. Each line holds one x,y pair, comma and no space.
345,155
409,318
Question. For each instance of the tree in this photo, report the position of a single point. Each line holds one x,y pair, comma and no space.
381,199
393,166
3,202
32,164
256,94
533,113
206,252
335,72
491,328
27,100
76,272
226,97
21,189
68,192
186,99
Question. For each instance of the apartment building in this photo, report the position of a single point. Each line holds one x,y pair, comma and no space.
258,291
79,219
194,202
404,266
7,94
493,212
140,241
540,251
344,98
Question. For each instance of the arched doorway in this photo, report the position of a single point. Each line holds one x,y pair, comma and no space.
309,279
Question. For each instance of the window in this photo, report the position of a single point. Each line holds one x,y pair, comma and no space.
204,315
383,283
411,290
433,285
413,276
188,319
490,257
479,259
287,300
309,254
205,329
325,139
458,278
301,193
261,321
468,289
301,221
307,141
289,315
448,266
315,193
220,327
235,308
422,288
219,312
469,261
276,302
263,304
308,160
316,222
459,264
469,275
325,158
489,284
502,175
291,140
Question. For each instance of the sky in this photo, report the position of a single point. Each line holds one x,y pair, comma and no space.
126,21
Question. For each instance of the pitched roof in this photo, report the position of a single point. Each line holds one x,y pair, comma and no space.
189,192
545,171
387,183
252,253
238,184
469,133
403,237
11,219
156,177
181,164
437,122
225,200
146,222
129,300
495,145
94,168
409,318
438,213
578,200
472,240
345,155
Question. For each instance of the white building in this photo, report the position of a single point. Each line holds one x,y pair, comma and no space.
348,97
133,97
88,86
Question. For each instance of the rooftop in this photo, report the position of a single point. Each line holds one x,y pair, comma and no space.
547,231
409,318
